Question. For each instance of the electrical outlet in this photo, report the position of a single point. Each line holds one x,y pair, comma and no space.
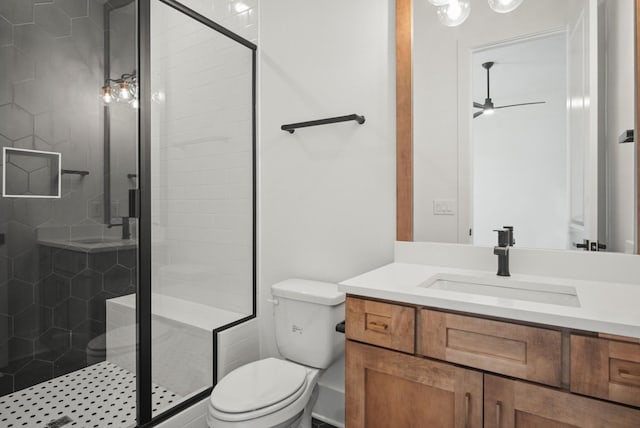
444,207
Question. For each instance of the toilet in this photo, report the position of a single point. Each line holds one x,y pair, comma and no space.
281,393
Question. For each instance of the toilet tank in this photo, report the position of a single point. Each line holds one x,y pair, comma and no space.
306,314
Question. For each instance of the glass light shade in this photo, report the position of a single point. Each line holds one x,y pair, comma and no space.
240,7
439,2
504,6
106,94
455,13
488,111
123,91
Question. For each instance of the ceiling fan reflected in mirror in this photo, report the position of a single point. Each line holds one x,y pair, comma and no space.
488,107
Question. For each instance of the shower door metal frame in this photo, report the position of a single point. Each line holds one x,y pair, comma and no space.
144,403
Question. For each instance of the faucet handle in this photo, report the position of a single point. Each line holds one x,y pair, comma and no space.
503,237
512,240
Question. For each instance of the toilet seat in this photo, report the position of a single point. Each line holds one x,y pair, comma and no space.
258,389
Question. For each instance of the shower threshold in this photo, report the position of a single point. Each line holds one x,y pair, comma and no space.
101,395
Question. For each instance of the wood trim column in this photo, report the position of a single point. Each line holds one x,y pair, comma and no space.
637,177
404,126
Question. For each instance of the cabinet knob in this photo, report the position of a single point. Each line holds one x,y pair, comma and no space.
378,326
625,374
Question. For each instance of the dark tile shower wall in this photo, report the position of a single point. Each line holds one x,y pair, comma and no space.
52,317
52,300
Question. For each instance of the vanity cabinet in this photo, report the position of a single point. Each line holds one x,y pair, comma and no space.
410,366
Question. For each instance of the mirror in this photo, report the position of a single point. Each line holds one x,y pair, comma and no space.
121,116
555,168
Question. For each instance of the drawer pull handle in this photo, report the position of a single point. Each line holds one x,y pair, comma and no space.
625,374
378,326
467,399
498,411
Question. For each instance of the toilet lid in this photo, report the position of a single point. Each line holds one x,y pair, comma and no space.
258,385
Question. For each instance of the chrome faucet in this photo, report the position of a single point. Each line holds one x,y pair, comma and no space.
126,227
505,242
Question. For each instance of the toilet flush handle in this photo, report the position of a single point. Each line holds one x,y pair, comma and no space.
274,301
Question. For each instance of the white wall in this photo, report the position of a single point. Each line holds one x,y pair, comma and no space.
520,167
327,194
620,116
442,80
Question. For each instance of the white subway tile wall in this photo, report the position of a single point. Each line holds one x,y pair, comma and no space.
202,155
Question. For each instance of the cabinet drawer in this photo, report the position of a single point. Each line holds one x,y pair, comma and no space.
607,369
528,353
383,324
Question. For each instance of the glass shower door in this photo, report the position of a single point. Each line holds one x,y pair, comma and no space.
68,251
202,194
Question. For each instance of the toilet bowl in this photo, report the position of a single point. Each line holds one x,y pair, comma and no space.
281,393
266,393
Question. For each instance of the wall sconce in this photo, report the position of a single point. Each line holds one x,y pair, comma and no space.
454,12
121,90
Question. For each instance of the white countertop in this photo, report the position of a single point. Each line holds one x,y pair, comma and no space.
604,307
90,245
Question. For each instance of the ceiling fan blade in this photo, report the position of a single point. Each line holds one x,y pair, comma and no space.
478,105
478,113
521,104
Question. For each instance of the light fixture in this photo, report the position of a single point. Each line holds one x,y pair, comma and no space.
454,13
106,95
122,90
240,7
504,6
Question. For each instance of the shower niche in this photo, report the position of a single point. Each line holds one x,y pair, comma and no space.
31,173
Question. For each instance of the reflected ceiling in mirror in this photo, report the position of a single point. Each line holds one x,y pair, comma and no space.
551,163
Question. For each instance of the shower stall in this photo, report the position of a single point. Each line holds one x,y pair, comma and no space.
127,214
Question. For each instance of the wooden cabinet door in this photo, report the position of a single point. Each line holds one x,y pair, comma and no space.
509,403
388,389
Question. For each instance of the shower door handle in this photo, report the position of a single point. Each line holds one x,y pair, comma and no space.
1,239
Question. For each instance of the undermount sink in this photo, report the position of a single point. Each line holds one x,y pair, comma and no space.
506,288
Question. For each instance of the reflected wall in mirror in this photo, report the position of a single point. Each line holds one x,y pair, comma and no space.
553,168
